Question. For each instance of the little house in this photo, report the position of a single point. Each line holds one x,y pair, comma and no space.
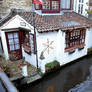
47,35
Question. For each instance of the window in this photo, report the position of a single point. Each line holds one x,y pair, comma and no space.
13,39
51,6
46,5
75,39
26,42
37,6
80,6
55,5
66,4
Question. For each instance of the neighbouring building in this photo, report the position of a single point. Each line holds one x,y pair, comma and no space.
60,34
7,5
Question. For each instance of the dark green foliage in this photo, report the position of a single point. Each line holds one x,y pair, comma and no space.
52,66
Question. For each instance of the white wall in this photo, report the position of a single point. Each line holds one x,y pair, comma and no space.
42,39
29,58
4,44
89,37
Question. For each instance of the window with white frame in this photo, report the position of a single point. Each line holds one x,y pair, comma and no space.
80,6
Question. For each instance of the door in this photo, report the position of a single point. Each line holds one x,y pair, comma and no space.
14,45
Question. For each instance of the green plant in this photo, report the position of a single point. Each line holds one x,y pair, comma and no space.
52,66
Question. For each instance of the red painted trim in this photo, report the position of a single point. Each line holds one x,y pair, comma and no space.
71,4
20,41
50,11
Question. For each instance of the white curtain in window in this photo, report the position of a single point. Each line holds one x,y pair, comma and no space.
65,4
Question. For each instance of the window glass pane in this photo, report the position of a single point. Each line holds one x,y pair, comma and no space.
11,41
55,4
46,5
65,4
16,41
11,47
15,35
10,35
17,46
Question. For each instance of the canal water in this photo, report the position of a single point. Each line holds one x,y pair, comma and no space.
63,80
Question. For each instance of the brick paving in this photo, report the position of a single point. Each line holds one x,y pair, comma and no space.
15,71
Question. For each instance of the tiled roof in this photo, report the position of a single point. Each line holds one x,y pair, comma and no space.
45,23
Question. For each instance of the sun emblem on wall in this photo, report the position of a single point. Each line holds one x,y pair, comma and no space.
48,46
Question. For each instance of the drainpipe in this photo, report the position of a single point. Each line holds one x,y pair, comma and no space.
33,15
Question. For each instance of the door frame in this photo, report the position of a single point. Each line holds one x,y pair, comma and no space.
20,41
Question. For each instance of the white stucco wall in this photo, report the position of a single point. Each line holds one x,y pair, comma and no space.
29,58
4,44
89,37
41,40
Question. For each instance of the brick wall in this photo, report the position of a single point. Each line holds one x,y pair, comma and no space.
6,5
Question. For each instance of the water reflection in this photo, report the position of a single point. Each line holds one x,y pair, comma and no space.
50,89
86,86
64,79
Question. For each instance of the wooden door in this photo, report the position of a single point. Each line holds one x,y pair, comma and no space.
14,45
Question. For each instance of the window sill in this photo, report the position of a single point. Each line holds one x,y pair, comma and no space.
50,11
72,49
27,49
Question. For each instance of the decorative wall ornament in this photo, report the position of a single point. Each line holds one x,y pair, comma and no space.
42,56
48,46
